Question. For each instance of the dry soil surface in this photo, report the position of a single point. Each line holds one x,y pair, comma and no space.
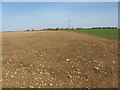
58,59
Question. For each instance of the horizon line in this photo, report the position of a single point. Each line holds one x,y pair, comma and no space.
111,27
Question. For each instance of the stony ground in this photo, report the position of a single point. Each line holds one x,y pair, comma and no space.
58,59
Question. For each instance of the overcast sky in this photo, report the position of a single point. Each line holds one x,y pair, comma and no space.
39,15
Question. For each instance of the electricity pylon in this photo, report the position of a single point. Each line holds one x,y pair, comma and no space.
69,23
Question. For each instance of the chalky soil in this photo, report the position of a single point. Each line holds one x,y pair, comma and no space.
58,59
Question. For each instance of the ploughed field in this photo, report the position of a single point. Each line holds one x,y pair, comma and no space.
58,59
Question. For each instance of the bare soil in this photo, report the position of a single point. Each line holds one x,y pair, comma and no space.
58,59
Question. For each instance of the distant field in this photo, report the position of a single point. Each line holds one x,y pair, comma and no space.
108,33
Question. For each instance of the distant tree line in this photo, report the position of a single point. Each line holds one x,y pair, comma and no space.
29,30
104,28
55,29
80,28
